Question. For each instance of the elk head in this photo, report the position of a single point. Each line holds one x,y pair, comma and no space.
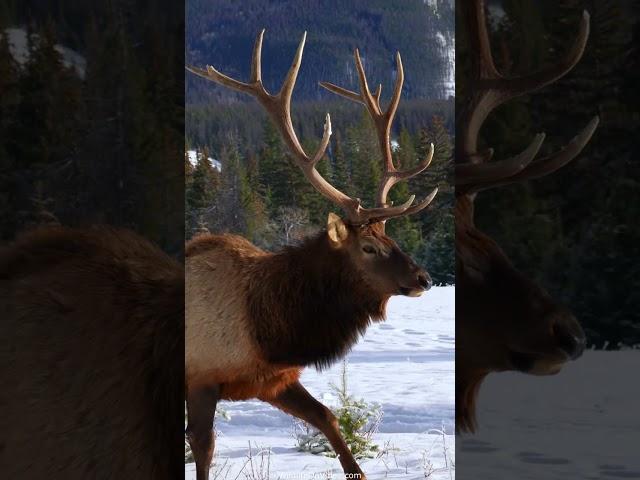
360,234
504,321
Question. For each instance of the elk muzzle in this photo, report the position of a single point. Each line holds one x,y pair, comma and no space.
569,336
421,283
424,280
567,342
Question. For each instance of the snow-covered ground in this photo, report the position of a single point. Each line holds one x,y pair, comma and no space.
405,364
583,423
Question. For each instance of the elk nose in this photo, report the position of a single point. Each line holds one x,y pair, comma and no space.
424,280
570,337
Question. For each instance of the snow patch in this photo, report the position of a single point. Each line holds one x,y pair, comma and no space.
18,45
194,156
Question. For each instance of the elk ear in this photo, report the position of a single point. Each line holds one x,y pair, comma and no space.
336,229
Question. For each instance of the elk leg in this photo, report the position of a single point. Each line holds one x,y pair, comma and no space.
201,408
297,401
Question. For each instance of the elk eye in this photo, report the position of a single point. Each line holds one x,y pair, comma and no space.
369,249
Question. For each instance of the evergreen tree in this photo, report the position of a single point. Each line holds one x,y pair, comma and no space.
341,174
204,184
365,160
276,173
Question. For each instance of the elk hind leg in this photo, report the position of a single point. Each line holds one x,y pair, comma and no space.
201,409
297,401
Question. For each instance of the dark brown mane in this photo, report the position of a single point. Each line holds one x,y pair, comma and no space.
309,304
466,401
109,307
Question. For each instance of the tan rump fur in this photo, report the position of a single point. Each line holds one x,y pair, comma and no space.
220,348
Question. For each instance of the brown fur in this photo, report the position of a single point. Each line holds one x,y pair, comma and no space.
92,327
254,319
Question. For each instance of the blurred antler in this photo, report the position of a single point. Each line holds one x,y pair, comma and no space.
489,89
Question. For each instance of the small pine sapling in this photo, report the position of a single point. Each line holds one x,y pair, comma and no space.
358,421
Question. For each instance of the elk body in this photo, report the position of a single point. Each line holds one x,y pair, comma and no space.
92,327
255,319
504,321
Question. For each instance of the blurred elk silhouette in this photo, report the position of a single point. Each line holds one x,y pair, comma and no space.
255,319
92,327
504,321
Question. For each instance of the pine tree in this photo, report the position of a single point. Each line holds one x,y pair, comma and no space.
406,229
365,160
276,172
437,252
341,173
201,191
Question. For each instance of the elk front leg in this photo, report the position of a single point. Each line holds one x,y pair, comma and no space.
297,401
201,408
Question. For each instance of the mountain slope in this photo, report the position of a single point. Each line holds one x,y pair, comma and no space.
222,33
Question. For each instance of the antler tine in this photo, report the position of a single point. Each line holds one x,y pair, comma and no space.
475,173
391,177
397,90
343,92
211,73
422,205
256,61
481,55
365,93
292,75
549,164
377,94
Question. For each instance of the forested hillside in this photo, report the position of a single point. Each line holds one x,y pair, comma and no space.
103,145
259,193
223,32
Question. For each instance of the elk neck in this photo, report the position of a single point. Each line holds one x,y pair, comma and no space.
309,304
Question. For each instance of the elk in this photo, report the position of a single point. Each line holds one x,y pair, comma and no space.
92,322
255,319
504,321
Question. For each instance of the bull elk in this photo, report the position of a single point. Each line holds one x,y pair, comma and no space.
504,321
255,319
92,325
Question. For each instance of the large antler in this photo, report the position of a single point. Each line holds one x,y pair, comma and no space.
382,121
488,90
279,109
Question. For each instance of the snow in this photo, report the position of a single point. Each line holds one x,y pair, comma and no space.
582,423
20,51
405,364
194,156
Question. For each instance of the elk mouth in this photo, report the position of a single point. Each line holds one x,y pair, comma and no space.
411,292
536,364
